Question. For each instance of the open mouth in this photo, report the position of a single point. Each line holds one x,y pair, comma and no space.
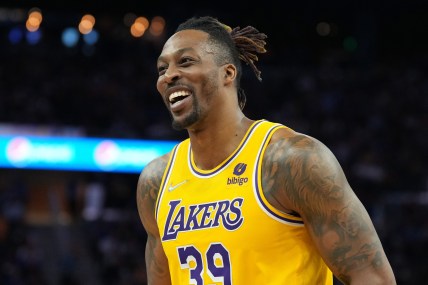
178,96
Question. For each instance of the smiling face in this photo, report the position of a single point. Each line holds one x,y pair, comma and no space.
188,77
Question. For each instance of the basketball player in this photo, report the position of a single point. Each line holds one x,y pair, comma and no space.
245,201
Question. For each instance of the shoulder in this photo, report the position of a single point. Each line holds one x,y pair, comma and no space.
151,176
155,167
148,188
291,143
297,167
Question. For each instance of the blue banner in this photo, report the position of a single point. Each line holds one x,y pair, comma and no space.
80,154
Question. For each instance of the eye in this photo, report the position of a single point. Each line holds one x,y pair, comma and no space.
184,61
162,69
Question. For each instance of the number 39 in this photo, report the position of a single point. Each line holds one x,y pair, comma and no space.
217,263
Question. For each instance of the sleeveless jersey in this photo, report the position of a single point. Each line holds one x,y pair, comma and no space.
217,227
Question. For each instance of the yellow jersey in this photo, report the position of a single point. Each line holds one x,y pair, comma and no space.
217,227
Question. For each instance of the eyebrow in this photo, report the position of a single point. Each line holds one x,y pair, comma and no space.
178,52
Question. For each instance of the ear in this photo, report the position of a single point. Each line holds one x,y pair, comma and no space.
229,73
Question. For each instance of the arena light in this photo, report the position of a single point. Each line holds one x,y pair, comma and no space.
86,24
91,38
139,27
323,29
157,26
33,37
34,20
70,37
142,21
35,14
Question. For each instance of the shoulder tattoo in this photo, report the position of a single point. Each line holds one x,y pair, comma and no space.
149,183
293,168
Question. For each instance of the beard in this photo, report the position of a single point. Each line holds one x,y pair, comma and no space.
190,119
186,122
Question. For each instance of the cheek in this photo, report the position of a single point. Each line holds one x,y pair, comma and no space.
159,85
161,89
209,83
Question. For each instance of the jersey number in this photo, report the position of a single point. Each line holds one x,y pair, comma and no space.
217,263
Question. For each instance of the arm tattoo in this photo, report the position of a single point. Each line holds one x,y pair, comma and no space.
148,190
155,269
149,184
301,172
298,162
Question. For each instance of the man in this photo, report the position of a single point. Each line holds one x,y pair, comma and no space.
243,201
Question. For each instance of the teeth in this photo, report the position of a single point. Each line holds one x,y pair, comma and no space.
178,94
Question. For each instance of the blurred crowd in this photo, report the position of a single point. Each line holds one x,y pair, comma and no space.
373,115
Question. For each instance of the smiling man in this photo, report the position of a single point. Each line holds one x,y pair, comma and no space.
245,201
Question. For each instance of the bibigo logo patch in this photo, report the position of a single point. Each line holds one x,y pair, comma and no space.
238,171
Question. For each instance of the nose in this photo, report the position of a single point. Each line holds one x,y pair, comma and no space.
171,75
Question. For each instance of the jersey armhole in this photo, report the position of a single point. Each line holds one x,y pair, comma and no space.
165,178
268,208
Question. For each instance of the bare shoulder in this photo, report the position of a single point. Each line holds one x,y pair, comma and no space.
295,163
147,191
301,175
304,175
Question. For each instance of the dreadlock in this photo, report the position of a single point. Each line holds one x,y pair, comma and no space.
249,41
235,45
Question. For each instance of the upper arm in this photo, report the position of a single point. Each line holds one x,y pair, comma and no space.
147,191
312,183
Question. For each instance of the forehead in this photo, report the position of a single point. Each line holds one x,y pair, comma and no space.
185,40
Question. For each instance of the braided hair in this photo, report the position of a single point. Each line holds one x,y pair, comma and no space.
234,45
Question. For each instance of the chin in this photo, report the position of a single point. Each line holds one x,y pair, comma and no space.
180,124
185,123
177,126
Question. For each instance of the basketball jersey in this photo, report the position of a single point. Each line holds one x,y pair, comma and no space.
217,227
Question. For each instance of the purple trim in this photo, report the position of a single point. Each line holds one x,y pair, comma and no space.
256,176
174,153
227,161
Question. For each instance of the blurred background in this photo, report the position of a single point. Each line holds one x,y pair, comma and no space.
83,73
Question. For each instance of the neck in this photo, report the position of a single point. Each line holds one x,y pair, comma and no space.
214,142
